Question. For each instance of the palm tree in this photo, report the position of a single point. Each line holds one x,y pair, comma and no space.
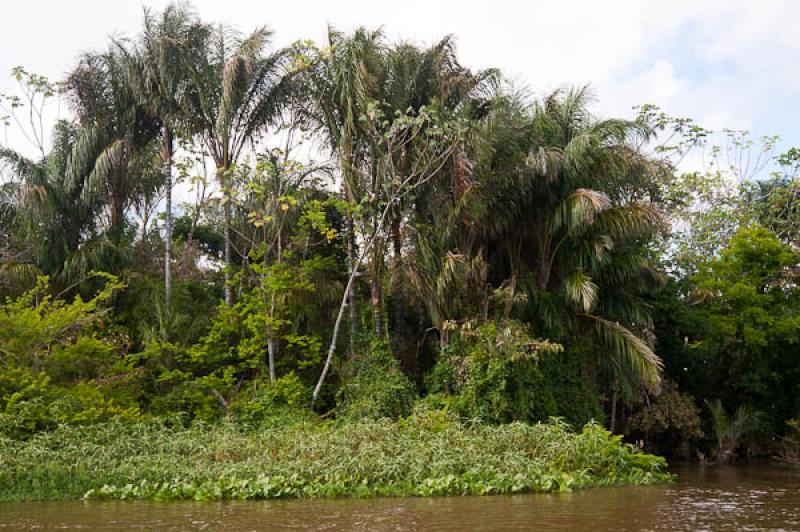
728,430
162,83
239,90
115,146
358,71
47,221
415,78
555,234
342,84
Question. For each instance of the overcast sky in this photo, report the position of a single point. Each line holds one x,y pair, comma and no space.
726,63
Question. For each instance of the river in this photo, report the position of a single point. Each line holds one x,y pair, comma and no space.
743,497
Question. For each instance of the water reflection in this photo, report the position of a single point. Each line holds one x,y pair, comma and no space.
753,497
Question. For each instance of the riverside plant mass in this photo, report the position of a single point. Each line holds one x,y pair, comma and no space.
359,267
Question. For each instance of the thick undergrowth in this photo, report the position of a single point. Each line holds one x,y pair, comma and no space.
422,455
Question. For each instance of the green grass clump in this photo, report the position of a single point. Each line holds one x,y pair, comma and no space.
420,456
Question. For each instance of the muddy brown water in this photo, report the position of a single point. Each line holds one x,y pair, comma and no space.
742,497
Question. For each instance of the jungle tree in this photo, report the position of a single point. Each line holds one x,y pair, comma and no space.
239,90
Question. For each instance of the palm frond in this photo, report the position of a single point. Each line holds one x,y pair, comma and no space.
628,352
626,222
581,291
579,210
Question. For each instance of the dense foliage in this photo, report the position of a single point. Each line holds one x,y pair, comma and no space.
366,230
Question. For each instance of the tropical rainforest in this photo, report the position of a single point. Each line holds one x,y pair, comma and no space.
335,259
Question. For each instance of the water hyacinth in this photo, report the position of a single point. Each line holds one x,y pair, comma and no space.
423,455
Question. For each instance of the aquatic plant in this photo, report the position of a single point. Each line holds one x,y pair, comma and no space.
416,456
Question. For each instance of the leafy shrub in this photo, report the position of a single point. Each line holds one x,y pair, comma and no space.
201,397
205,379
48,345
35,329
492,372
788,449
566,391
670,421
374,386
270,404
30,402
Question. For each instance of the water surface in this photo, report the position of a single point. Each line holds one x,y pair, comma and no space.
750,497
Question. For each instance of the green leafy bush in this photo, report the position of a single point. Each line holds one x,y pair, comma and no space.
270,404
670,421
788,448
31,403
374,386
202,397
206,379
492,372
56,364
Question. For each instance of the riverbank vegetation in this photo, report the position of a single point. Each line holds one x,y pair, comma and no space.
423,455
364,231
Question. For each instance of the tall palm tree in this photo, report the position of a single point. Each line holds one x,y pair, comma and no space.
239,90
116,141
416,77
161,80
556,234
359,70
343,82
44,210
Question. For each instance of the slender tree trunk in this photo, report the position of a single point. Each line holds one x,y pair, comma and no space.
145,220
198,205
485,281
351,268
271,344
400,328
269,311
375,293
375,284
332,347
226,197
614,399
167,218
461,177
228,256
117,219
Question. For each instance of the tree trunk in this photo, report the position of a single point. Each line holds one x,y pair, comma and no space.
167,219
269,314
117,219
226,197
461,176
400,326
332,347
485,281
614,400
271,344
351,267
377,263
375,293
